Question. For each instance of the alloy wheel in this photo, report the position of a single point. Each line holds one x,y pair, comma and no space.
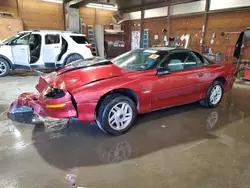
216,94
120,116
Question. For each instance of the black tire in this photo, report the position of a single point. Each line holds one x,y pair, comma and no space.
105,108
4,67
206,103
240,73
72,58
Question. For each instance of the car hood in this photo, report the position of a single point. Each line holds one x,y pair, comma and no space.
71,77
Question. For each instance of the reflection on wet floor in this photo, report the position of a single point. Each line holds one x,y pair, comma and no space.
189,130
73,143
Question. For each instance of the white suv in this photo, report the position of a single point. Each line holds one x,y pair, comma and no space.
42,49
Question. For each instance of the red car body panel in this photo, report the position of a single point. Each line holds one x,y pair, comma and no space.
85,87
71,81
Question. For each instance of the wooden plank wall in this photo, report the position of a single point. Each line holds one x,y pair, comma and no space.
92,16
155,27
9,6
36,14
226,22
188,25
9,26
217,22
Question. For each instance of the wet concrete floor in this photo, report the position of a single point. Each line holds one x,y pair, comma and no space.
185,146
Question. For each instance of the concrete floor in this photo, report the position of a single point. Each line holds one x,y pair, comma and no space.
184,147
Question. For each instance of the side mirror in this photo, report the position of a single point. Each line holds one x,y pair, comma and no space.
163,71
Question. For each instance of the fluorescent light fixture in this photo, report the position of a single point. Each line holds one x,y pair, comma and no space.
102,6
54,1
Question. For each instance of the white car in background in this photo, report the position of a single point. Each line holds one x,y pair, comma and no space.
42,49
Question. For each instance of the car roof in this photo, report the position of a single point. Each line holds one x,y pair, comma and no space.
53,31
168,48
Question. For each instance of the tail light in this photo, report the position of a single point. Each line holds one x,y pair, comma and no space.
90,47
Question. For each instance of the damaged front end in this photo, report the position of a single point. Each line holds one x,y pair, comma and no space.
52,102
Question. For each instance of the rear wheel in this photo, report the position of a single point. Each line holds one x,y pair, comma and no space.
214,95
116,114
240,73
4,67
72,58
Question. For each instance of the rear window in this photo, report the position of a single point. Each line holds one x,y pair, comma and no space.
80,39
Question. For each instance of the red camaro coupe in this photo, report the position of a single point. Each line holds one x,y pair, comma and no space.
113,92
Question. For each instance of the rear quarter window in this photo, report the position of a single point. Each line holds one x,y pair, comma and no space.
80,39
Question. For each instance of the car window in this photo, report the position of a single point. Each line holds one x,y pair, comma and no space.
22,40
179,61
138,60
191,62
203,59
13,38
80,39
52,39
35,41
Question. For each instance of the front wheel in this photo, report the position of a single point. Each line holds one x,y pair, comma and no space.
213,96
116,114
4,67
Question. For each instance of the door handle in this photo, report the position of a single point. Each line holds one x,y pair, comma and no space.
56,46
23,49
200,74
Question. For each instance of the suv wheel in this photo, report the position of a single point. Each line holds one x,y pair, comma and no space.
116,114
73,58
4,67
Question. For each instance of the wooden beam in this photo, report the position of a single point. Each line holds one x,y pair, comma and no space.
142,27
169,21
204,28
17,7
64,16
187,15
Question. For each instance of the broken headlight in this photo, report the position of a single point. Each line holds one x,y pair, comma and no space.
55,93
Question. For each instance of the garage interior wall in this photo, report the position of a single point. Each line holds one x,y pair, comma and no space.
226,22
188,25
35,14
92,16
229,21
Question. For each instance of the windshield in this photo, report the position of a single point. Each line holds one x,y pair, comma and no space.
10,39
138,60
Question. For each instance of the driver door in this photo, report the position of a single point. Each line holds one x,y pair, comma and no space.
183,85
51,49
20,52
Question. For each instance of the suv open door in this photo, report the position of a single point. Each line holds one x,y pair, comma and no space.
51,49
20,51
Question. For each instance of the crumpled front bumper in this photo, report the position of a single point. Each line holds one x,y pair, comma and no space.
29,103
25,107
